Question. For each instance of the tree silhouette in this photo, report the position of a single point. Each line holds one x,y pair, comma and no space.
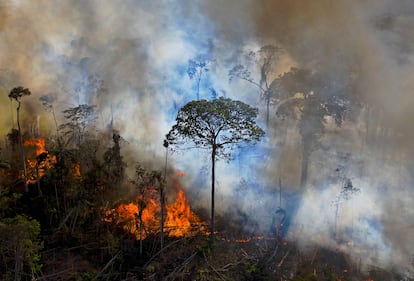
47,103
306,96
17,94
217,125
196,68
79,118
266,59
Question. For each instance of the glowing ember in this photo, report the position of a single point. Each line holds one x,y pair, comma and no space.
43,160
179,219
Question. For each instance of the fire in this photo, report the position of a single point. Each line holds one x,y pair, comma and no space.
179,219
126,215
43,159
38,143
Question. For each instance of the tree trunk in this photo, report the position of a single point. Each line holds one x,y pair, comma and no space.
162,199
54,119
163,186
213,169
18,265
22,153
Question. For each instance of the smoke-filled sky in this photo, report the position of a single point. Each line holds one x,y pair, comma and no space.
137,52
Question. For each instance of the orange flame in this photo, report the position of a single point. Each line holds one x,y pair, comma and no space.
33,164
38,143
179,219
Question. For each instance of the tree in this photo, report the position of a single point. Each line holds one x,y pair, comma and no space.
79,118
217,125
196,68
17,94
113,162
309,98
162,193
20,246
266,59
47,103
145,183
347,193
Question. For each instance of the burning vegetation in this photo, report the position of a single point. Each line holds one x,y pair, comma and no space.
87,204
40,161
180,221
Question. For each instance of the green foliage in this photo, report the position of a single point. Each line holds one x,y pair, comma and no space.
203,274
204,248
251,268
216,124
20,245
7,200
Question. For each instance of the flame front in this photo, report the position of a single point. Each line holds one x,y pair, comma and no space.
179,219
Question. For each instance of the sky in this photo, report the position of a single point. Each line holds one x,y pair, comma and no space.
137,53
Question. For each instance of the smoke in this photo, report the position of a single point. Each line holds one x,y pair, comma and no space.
373,41
129,58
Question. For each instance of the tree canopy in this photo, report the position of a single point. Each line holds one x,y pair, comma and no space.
219,124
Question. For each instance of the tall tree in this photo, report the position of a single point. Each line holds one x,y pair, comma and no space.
17,94
265,59
47,103
218,125
114,165
309,98
162,193
78,120
196,68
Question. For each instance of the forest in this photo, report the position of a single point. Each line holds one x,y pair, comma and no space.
206,141
70,212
